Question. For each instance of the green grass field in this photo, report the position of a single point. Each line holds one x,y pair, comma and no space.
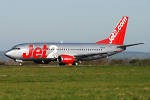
75,83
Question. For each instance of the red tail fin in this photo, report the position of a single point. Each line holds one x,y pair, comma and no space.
117,36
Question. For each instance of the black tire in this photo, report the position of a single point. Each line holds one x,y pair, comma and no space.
61,64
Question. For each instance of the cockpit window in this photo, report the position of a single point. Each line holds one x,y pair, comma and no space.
15,48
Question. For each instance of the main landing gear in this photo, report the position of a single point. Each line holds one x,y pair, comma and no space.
61,64
74,64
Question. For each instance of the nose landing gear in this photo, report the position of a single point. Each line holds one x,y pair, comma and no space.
20,62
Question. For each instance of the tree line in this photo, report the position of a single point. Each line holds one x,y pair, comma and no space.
119,62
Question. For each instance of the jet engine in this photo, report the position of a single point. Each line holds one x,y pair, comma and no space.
65,59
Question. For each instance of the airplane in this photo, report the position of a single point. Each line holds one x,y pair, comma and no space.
72,53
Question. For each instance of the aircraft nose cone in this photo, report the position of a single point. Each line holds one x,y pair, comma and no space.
8,54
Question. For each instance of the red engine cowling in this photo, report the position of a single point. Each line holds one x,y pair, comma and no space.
65,59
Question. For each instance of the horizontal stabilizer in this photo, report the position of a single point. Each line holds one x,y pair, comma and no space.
130,45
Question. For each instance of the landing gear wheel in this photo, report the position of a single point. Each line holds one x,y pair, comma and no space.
75,64
20,63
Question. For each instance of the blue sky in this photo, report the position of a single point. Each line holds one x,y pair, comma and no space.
87,21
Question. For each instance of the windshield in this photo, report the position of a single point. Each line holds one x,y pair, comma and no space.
15,48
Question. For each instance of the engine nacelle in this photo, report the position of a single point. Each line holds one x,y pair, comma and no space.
65,59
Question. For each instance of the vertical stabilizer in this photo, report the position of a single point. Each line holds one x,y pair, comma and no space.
118,34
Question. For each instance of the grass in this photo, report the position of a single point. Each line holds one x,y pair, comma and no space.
75,83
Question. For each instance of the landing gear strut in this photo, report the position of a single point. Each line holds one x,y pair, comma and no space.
20,61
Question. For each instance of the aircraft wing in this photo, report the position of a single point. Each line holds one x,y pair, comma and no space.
130,45
101,54
89,55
